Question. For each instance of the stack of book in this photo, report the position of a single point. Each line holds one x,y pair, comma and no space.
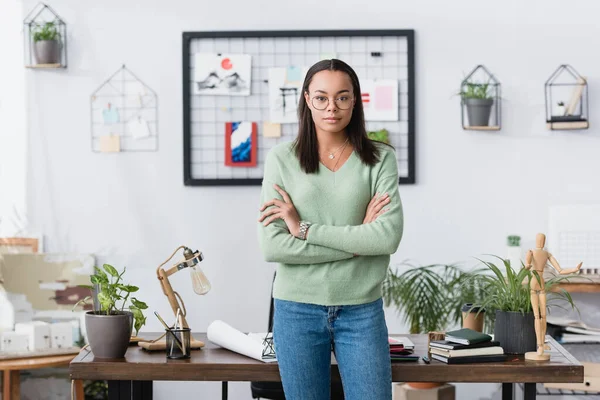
402,349
572,331
465,346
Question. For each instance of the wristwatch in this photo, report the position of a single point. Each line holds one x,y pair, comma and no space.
304,229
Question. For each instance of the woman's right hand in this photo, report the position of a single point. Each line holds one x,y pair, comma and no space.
375,207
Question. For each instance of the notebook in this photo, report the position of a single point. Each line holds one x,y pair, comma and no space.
481,351
444,344
471,359
401,341
467,336
395,357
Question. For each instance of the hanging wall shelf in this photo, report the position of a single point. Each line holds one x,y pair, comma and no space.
124,115
480,101
45,39
567,106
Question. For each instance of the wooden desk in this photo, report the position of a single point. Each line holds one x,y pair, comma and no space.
12,368
131,377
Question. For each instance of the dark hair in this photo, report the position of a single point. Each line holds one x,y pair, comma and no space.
306,145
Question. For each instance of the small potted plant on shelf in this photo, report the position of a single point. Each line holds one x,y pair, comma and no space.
506,297
46,43
478,101
116,314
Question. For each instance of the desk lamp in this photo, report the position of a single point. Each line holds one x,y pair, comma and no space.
200,284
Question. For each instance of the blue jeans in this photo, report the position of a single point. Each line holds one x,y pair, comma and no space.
304,336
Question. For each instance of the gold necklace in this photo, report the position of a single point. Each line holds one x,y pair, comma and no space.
332,154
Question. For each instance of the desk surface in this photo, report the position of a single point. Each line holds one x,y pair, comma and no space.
36,362
214,363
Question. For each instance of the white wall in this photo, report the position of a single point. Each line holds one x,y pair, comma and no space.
13,135
473,189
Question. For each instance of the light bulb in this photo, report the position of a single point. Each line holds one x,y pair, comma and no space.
200,283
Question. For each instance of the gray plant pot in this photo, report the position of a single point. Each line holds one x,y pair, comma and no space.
47,51
109,335
479,111
515,331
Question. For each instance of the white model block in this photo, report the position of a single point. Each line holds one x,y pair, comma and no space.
38,332
13,342
61,335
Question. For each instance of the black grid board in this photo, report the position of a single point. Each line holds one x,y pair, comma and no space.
205,115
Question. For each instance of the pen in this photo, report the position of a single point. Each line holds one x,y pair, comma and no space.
426,359
162,321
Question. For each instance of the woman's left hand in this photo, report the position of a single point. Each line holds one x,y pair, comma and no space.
282,209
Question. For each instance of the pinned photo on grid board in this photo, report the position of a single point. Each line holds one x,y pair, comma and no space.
222,74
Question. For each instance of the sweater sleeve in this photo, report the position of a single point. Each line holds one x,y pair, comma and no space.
276,242
381,237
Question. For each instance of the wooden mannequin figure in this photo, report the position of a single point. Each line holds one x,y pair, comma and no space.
538,259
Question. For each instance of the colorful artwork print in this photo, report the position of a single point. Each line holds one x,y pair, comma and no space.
285,89
380,99
222,74
240,144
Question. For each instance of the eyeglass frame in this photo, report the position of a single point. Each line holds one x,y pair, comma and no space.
328,102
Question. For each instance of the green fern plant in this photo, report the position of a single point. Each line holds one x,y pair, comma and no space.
503,287
471,90
429,297
47,31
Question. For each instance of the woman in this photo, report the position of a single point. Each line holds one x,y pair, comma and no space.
331,217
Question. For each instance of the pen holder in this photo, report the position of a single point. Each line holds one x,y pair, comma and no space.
178,343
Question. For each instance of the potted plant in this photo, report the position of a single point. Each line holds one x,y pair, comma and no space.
46,43
381,135
506,297
109,326
429,297
478,101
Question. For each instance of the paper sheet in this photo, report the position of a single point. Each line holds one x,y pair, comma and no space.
271,129
224,335
139,128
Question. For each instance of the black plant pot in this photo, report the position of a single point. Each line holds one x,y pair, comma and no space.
515,331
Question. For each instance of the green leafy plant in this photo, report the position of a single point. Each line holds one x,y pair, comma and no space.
505,288
47,31
513,240
113,295
430,297
472,90
381,135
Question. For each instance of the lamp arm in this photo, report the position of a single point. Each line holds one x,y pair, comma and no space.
167,260
175,300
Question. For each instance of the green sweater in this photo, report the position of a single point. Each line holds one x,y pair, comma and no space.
323,269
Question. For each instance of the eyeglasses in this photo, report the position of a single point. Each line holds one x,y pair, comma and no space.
322,102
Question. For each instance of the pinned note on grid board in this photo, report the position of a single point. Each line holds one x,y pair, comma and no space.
271,129
293,74
138,128
110,144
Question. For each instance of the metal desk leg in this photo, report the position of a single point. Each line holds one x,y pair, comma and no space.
529,391
507,391
130,390
224,389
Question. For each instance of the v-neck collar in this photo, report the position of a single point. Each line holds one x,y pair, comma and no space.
344,166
